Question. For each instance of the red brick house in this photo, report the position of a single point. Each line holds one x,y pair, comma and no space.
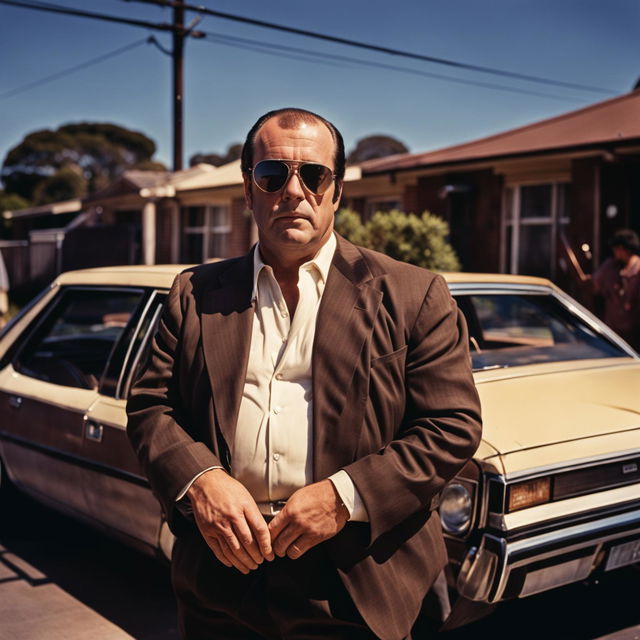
539,199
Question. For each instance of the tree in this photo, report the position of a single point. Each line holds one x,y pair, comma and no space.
377,146
96,152
64,184
233,153
420,240
11,202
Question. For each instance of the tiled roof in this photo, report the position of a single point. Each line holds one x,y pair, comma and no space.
612,121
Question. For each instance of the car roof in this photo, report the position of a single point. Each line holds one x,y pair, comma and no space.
460,277
162,275
157,275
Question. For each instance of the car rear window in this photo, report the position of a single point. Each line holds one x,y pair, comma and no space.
507,330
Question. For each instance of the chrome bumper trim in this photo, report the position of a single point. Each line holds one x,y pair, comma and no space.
487,567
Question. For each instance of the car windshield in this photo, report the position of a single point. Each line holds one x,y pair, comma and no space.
515,329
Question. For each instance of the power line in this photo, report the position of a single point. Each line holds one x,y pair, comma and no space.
77,67
317,57
177,29
54,8
372,47
273,49
46,6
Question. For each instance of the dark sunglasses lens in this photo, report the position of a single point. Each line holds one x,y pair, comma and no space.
270,175
316,177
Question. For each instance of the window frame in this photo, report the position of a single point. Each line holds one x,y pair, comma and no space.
153,308
207,230
33,331
512,222
373,202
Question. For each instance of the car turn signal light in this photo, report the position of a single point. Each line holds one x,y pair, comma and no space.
529,494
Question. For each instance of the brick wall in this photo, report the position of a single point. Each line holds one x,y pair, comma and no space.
239,240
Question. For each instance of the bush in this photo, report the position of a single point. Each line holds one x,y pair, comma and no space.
420,240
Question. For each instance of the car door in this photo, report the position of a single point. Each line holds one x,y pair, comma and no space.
117,492
50,385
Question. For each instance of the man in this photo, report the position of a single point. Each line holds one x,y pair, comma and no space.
617,284
307,402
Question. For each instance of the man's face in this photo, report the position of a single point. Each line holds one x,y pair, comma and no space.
293,223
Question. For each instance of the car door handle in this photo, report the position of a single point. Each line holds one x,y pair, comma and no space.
93,431
15,402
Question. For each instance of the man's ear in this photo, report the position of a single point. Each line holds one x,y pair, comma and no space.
337,193
248,196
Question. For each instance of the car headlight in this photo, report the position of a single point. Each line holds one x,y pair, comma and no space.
455,508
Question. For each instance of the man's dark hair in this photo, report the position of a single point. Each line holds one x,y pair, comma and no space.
625,238
290,118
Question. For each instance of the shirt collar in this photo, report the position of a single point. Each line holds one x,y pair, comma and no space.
321,261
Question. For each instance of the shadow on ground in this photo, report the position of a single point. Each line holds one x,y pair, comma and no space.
130,590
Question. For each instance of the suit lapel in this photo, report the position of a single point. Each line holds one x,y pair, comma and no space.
344,323
226,322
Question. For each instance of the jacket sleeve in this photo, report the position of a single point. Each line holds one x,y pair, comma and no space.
157,423
441,427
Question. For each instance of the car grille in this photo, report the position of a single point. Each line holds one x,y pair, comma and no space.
599,478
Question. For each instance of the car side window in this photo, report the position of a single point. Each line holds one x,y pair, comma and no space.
74,342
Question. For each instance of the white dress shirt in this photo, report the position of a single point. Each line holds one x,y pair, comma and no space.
272,451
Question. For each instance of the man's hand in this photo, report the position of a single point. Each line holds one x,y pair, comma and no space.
312,514
229,520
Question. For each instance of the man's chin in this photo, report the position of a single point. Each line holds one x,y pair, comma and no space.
293,235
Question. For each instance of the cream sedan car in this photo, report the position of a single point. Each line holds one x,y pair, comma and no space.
551,497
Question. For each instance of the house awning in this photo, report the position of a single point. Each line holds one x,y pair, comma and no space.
67,206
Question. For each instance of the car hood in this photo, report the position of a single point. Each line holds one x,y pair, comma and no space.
563,404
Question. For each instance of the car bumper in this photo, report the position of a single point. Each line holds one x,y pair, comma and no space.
499,569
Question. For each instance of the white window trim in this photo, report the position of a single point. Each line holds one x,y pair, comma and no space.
209,229
516,222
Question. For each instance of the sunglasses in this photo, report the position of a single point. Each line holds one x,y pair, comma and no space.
271,175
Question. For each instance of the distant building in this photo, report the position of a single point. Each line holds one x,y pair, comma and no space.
540,200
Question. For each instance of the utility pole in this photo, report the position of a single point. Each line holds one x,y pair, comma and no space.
178,84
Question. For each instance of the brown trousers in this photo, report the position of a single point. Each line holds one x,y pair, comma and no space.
284,599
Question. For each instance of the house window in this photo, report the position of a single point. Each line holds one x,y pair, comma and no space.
384,204
206,232
534,215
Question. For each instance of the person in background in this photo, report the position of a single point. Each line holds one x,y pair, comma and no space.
617,284
4,292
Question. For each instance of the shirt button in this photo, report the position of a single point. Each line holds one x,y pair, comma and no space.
284,314
277,410
279,376
276,456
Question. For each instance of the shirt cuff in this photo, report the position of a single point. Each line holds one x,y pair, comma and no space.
187,486
350,496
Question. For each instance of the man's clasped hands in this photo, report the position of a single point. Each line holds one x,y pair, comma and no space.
238,534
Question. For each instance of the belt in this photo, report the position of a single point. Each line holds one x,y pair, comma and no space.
271,508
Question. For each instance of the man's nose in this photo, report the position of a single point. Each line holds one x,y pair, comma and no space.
293,186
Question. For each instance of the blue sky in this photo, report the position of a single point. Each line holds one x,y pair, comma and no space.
582,41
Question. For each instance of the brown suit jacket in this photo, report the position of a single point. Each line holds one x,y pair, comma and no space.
394,404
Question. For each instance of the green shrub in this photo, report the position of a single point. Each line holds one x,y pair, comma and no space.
420,240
